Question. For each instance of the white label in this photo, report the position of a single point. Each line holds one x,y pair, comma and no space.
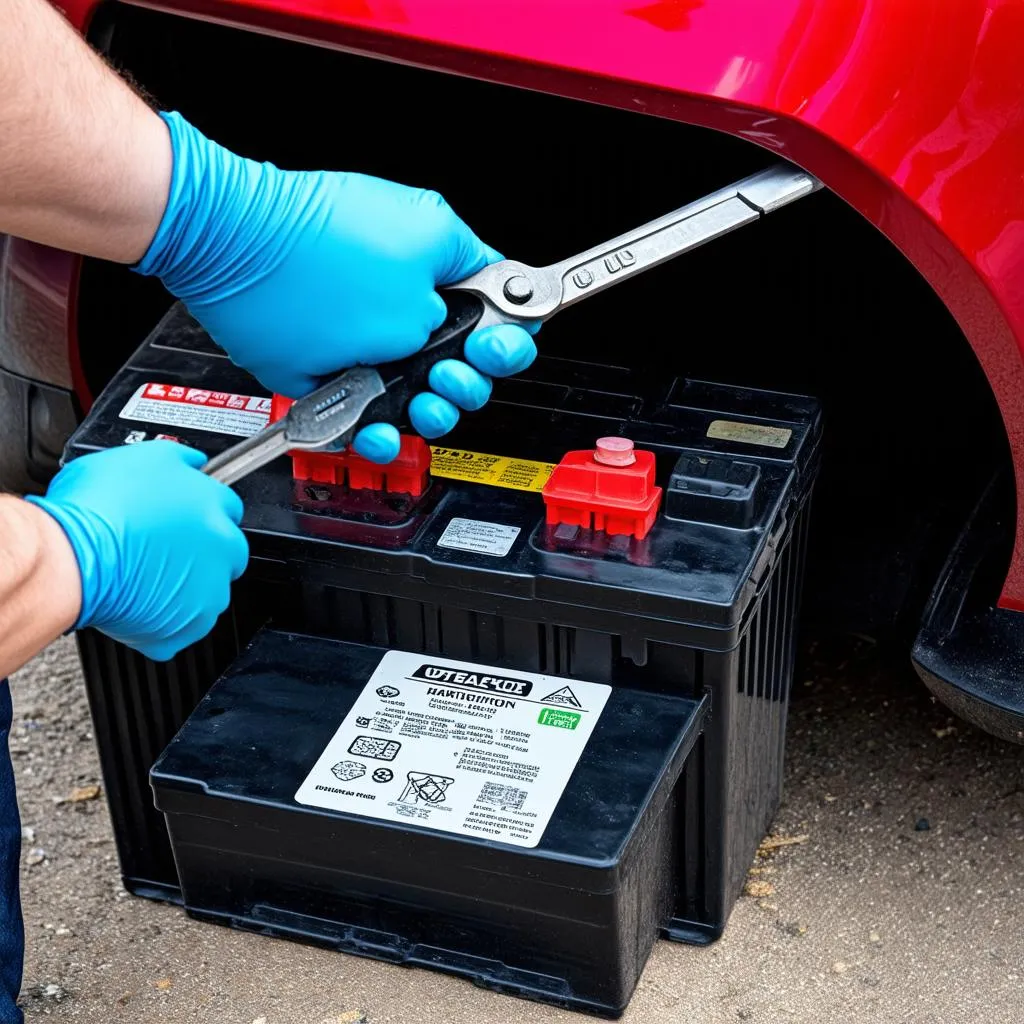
463,748
750,433
475,535
216,411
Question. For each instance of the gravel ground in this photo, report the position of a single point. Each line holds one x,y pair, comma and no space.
903,904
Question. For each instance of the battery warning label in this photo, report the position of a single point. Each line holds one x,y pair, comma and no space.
469,749
218,412
496,470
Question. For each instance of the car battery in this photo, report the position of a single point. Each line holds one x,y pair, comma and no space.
606,524
514,828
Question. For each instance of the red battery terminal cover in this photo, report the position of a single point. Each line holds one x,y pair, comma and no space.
409,473
608,488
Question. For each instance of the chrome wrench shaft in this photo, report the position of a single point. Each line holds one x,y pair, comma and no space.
520,292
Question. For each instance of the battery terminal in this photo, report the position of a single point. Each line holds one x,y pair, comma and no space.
409,473
609,488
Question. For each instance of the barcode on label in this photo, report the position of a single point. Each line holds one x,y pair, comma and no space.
506,797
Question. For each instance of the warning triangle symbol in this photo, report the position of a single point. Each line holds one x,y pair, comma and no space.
564,696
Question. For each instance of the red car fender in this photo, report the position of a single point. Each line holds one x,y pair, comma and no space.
910,110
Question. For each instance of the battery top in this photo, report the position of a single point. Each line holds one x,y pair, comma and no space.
734,466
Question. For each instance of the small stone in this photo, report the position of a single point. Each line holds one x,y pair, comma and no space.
745,1014
28,834
260,1020
35,856
53,991
347,1017
950,730
839,967
796,929
758,888
82,793
874,937
163,984
771,843
922,825
63,931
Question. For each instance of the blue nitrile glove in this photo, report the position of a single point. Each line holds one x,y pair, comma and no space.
157,543
300,274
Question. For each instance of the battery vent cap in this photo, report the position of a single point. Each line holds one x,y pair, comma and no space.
709,489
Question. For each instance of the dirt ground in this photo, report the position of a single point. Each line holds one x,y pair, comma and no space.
905,902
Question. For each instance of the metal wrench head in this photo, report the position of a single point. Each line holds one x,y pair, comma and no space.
325,419
515,292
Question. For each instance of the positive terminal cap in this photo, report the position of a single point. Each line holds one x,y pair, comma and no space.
614,451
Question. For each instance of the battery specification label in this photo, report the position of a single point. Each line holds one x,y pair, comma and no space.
476,535
462,748
218,412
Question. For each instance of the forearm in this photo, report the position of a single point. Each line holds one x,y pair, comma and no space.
40,586
85,164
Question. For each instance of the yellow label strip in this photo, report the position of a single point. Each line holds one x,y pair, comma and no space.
494,470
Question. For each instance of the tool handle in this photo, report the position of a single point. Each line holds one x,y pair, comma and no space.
405,378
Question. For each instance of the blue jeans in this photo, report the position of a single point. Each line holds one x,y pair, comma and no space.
12,935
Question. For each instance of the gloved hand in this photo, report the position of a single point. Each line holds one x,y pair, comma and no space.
157,543
300,274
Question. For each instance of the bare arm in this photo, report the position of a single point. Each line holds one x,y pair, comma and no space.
148,546
85,164
40,586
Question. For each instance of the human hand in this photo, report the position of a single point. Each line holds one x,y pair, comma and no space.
156,540
298,275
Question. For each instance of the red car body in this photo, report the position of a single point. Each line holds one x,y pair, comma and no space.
909,110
